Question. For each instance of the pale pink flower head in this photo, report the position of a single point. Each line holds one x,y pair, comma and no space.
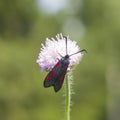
54,49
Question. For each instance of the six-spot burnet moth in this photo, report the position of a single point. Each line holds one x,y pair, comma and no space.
56,76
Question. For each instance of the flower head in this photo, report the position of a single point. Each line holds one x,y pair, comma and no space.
53,49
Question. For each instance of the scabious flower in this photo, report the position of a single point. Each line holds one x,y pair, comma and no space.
54,49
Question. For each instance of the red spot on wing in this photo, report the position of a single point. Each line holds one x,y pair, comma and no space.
66,67
61,82
48,77
61,78
53,73
58,64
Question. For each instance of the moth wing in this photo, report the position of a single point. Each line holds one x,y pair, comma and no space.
48,80
56,77
59,82
52,75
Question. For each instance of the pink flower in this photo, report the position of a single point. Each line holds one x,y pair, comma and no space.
54,49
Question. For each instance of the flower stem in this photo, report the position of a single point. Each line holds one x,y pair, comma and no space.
68,94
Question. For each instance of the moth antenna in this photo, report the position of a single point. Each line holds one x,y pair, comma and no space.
83,50
60,55
65,43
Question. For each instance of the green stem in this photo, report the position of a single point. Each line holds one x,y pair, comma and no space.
68,94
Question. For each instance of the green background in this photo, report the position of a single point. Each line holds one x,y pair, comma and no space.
23,27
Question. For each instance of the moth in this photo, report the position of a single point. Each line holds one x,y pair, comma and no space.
56,76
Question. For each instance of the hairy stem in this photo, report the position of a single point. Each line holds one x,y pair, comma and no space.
68,94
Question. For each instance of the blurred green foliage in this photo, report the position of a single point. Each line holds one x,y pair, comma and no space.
96,79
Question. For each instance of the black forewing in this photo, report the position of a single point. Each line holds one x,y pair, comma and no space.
48,80
59,81
56,77
52,75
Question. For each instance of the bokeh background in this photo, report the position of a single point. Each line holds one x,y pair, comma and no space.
24,25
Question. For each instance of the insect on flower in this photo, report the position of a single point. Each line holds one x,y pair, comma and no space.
57,72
